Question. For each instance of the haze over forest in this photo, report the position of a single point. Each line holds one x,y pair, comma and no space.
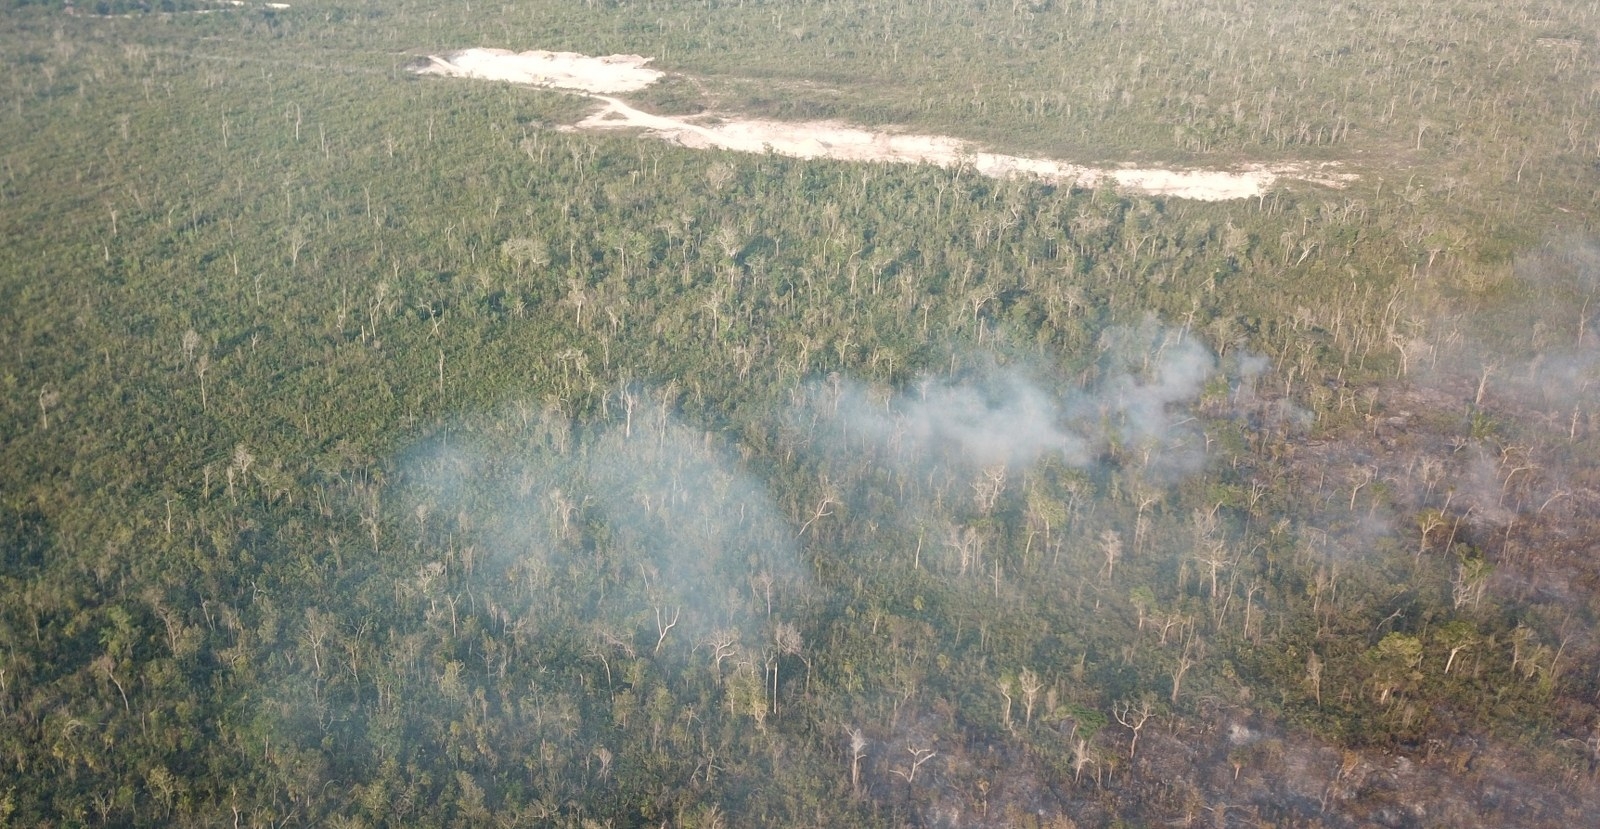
388,449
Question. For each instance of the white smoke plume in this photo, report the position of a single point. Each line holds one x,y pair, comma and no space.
640,509
994,414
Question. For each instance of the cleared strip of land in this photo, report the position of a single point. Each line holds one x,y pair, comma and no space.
603,77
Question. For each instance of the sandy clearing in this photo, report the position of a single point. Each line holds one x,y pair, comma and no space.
557,70
232,4
846,143
600,78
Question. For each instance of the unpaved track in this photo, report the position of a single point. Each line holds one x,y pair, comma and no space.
597,78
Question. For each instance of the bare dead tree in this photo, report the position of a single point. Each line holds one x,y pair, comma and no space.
1111,546
786,641
1428,521
319,627
1314,676
47,401
1004,685
764,581
1031,686
201,366
723,643
597,653
968,544
986,490
620,644
663,626
1172,620
1081,758
1193,648
919,756
1215,559
577,297
1133,717
107,666
823,510
858,749
1367,475
1483,382
629,401
1458,640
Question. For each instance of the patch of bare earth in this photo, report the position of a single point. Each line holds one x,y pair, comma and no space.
602,77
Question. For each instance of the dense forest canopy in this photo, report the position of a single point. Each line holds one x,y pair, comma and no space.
378,452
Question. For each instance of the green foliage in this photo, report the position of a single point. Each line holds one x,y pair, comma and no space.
366,437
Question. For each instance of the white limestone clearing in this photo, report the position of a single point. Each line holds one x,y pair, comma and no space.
600,78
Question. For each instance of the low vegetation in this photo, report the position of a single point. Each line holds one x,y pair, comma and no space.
377,454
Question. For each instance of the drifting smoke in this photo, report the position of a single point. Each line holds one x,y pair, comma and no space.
1524,381
644,510
1538,349
1276,415
643,519
994,415
1149,370
1006,415
663,518
1564,373
697,526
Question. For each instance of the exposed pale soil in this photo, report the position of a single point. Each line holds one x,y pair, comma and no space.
558,70
822,139
233,4
601,77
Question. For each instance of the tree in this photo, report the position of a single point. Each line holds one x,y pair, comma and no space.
786,641
577,297
106,666
1082,757
858,750
1193,651
1133,716
1394,662
1143,600
824,508
663,626
47,400
1046,513
1457,636
986,490
523,252
1111,547
1428,521
1471,580
201,366
1314,675
1004,684
724,643
191,342
919,757
1031,686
